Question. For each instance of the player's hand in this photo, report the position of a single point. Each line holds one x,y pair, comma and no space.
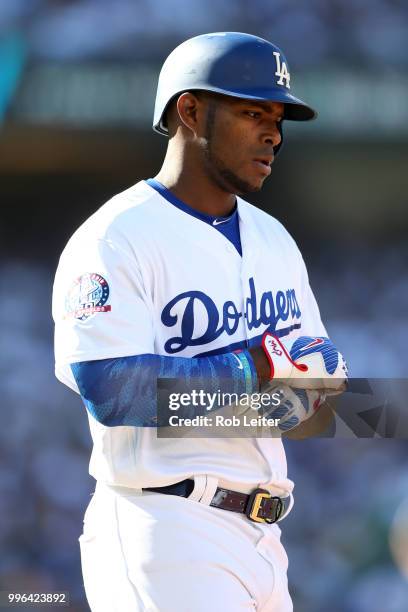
306,363
295,406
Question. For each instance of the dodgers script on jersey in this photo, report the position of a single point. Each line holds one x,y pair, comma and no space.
142,276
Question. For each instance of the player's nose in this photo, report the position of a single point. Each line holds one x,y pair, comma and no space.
272,136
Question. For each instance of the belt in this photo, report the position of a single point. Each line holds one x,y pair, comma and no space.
259,505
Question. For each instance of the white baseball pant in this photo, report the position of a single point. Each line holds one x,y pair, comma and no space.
149,552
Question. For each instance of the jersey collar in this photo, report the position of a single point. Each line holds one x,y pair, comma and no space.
170,197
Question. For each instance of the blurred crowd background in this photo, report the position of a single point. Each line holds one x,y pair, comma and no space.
77,81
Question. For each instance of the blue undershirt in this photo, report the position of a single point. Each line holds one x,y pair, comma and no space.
123,390
228,226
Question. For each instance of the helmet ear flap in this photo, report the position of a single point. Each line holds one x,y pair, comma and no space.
277,147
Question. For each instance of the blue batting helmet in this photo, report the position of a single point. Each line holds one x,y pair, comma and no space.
230,63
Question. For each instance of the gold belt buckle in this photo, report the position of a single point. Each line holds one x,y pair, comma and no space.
255,504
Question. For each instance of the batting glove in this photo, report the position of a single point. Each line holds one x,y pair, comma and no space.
295,405
306,363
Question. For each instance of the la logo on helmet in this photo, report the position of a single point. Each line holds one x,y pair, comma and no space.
281,70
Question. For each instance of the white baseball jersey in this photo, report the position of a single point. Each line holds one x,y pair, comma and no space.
142,276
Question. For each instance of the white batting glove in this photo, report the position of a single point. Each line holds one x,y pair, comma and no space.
295,405
306,363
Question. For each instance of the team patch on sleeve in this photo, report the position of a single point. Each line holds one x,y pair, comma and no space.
87,296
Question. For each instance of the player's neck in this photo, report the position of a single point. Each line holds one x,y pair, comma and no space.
190,184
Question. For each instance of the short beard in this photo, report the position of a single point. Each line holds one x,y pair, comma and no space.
223,177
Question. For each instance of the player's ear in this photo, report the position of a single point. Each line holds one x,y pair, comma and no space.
188,109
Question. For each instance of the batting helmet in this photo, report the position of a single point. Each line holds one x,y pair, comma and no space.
230,63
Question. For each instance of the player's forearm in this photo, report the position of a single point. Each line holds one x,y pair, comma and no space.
261,364
123,390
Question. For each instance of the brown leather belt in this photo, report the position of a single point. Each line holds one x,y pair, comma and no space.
259,505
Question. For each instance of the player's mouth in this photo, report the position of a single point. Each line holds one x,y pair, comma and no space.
264,164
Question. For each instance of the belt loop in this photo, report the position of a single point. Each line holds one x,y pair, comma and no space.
210,489
200,482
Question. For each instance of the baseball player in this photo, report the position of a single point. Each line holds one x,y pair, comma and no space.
179,277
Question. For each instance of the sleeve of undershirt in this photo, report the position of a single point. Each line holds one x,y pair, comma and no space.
123,391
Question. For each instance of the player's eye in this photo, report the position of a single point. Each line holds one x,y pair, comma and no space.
253,114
